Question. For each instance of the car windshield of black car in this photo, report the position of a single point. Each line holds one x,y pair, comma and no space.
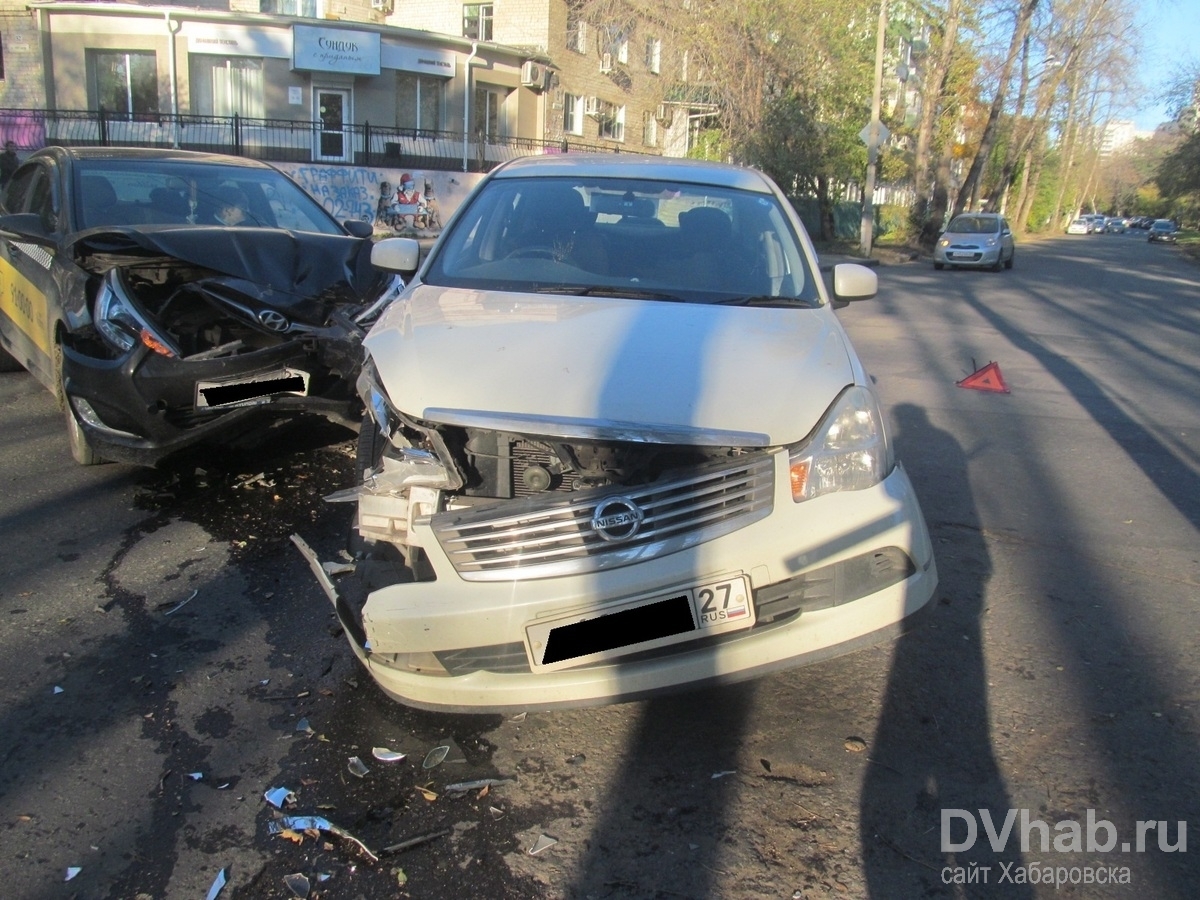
117,192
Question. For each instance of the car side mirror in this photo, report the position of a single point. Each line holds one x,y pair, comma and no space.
30,226
359,228
401,255
852,281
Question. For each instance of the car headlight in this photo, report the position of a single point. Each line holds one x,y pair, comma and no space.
375,399
943,243
991,242
122,324
848,451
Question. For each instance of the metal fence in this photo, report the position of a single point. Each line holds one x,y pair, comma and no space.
277,140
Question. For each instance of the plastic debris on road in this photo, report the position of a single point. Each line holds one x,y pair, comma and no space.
434,757
463,786
383,754
303,824
218,885
72,871
543,843
182,604
280,797
298,884
416,841
357,767
57,689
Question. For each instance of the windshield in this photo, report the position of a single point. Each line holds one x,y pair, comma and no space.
974,225
177,192
651,240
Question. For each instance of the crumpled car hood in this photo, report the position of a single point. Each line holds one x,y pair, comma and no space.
300,273
769,373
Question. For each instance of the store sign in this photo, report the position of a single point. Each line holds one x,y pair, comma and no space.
335,50
425,60
237,40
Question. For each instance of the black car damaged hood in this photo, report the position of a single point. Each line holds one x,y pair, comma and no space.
303,274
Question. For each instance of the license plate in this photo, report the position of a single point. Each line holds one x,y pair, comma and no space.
239,391
684,615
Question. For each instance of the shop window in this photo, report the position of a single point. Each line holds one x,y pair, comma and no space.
419,101
125,81
486,112
224,86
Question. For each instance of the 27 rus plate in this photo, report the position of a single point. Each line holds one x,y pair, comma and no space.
643,624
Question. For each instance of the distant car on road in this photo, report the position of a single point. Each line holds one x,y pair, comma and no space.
156,324
1163,230
1080,226
979,240
1115,226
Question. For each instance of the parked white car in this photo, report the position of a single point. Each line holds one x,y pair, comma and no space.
619,444
1080,226
978,240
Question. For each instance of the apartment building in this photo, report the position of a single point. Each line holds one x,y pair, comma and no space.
615,85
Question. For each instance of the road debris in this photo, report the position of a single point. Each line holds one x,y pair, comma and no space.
357,767
294,827
463,786
72,871
427,793
303,726
543,843
383,754
416,841
182,604
722,774
298,884
338,568
58,689
218,884
855,744
280,797
434,757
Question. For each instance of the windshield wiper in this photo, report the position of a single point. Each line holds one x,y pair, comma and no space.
608,291
768,300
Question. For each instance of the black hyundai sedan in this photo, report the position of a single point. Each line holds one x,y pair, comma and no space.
169,298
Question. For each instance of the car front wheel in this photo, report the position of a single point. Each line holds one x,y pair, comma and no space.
81,451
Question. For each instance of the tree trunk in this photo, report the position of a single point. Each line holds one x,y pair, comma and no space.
971,184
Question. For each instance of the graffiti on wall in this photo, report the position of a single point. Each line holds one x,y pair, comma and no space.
409,203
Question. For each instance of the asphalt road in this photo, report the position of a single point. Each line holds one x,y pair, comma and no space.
167,657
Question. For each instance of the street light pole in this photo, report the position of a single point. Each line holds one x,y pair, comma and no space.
875,137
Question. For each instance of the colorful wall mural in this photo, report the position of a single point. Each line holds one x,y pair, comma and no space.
404,202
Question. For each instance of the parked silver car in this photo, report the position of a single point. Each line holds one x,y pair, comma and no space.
979,240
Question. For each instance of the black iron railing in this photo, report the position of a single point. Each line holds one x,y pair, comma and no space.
278,140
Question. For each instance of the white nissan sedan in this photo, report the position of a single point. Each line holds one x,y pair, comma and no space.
618,443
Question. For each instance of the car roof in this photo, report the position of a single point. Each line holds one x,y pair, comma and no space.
150,154
630,165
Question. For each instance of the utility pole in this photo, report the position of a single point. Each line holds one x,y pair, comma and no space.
874,135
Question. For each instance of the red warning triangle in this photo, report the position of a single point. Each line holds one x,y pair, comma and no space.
986,379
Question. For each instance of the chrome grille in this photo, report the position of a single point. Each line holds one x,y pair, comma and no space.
549,536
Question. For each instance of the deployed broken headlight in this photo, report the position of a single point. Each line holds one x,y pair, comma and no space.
849,451
122,324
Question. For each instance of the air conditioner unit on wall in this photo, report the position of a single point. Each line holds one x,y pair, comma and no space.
533,75
591,106
664,114
383,6
605,62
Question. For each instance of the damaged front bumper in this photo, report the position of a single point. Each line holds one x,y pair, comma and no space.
819,579
142,406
